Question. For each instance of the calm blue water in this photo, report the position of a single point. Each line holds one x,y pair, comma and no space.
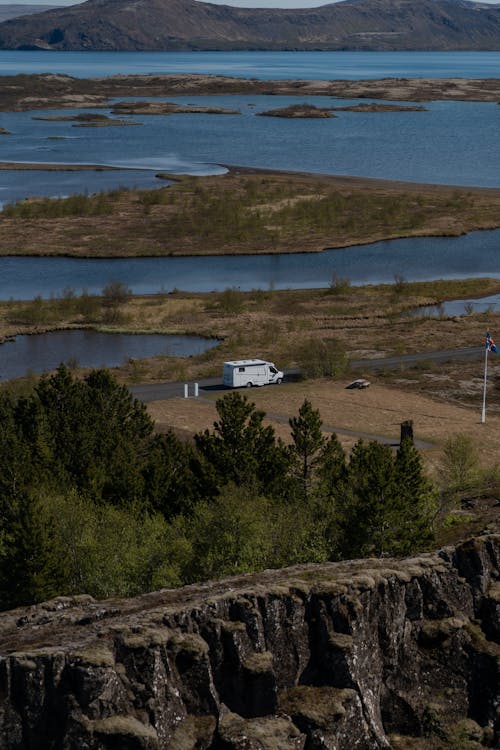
452,143
419,259
263,65
16,185
44,352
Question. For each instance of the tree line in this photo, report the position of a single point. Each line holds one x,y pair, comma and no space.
92,500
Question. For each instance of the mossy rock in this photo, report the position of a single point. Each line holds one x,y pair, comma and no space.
193,732
266,733
319,706
128,731
259,663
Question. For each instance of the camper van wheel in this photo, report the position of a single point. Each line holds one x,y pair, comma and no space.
249,385
279,381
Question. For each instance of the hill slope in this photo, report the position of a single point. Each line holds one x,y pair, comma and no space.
13,11
187,24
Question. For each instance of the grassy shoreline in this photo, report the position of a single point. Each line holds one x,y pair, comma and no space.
292,327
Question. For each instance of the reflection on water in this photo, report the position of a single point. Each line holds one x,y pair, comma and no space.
45,352
472,255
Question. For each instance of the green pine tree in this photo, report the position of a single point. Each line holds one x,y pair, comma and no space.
30,569
307,446
416,502
367,514
240,449
170,483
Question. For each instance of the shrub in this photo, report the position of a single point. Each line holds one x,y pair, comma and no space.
319,358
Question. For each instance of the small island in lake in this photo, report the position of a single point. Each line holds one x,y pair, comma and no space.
88,120
378,107
48,91
311,111
299,111
168,108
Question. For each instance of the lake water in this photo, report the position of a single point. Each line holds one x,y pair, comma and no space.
453,142
459,307
263,65
419,259
45,352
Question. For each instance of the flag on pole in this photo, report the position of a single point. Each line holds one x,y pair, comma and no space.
489,347
490,344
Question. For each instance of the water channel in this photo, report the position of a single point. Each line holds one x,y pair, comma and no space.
44,352
473,255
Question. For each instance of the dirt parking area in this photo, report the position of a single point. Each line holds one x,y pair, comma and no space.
377,410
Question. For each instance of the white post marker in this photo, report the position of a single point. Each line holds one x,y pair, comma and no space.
186,390
196,390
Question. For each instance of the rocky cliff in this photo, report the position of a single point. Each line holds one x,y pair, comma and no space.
188,24
366,654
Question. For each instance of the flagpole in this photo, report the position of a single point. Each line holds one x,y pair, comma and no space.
483,414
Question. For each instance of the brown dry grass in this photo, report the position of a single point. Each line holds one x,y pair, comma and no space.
253,211
442,400
366,321
378,411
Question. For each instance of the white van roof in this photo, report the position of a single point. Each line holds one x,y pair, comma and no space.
246,362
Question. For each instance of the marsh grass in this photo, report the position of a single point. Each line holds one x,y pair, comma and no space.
339,285
318,358
236,213
294,328
100,204
69,307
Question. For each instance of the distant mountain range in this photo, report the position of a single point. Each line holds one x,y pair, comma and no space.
188,24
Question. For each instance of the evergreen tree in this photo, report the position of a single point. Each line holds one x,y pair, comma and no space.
240,449
15,456
331,490
30,570
99,434
367,515
389,506
331,469
308,442
170,484
61,399
416,501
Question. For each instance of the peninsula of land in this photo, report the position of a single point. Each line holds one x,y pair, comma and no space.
48,91
246,210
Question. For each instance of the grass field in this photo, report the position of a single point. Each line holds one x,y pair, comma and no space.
244,211
377,410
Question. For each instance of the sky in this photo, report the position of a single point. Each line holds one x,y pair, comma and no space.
239,3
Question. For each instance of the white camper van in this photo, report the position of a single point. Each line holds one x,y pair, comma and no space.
250,372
